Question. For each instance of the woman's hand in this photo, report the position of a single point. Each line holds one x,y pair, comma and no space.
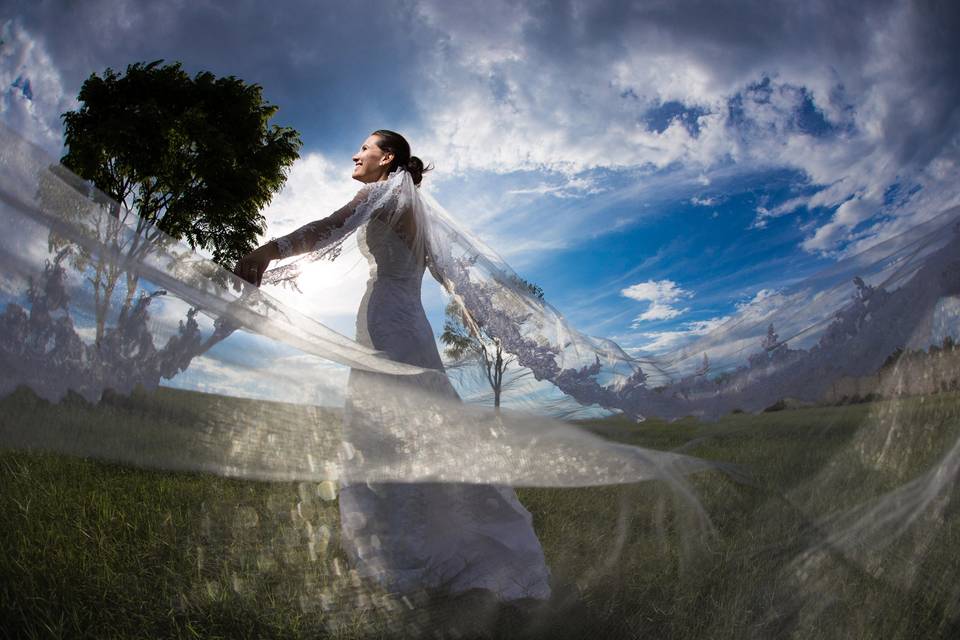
252,265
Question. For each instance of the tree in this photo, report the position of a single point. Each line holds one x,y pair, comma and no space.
949,344
771,341
527,287
193,156
704,367
98,218
465,337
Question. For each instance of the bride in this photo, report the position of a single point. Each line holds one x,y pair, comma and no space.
408,536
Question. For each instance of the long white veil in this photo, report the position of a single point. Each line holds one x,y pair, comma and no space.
101,315
797,343
78,267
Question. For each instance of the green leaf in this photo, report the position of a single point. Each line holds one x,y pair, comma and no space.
196,156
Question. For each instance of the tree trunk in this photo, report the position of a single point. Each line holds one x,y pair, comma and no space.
498,379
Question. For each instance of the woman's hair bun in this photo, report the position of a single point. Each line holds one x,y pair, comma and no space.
416,169
393,142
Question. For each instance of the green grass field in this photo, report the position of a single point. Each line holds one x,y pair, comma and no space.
96,550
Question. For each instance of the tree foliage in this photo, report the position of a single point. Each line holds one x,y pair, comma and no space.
465,337
194,156
527,286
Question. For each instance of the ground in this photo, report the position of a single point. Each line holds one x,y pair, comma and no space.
95,549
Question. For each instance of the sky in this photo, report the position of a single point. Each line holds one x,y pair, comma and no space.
653,166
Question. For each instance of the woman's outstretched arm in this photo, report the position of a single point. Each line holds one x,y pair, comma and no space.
308,237
252,266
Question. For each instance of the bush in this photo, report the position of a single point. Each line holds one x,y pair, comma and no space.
779,405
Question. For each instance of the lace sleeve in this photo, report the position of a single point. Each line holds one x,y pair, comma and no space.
323,239
314,236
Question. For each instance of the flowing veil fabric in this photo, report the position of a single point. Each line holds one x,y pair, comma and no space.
794,343
102,310
71,326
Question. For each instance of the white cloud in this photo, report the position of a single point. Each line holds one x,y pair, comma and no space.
761,302
659,311
504,87
656,291
660,342
31,90
661,294
845,107
577,187
727,339
297,379
330,292
315,188
847,216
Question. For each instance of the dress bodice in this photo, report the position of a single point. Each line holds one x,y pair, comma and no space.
391,316
389,256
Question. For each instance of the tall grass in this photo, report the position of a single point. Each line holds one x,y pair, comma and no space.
91,549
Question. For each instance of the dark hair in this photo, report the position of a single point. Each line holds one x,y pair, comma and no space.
393,142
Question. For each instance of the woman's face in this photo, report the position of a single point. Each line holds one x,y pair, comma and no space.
371,163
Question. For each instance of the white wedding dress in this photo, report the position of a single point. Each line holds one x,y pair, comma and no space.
450,537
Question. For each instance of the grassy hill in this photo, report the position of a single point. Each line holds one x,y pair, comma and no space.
93,549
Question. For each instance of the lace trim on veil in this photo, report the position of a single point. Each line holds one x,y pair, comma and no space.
385,200
597,371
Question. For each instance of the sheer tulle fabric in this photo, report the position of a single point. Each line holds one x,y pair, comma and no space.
98,305
793,343
170,314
